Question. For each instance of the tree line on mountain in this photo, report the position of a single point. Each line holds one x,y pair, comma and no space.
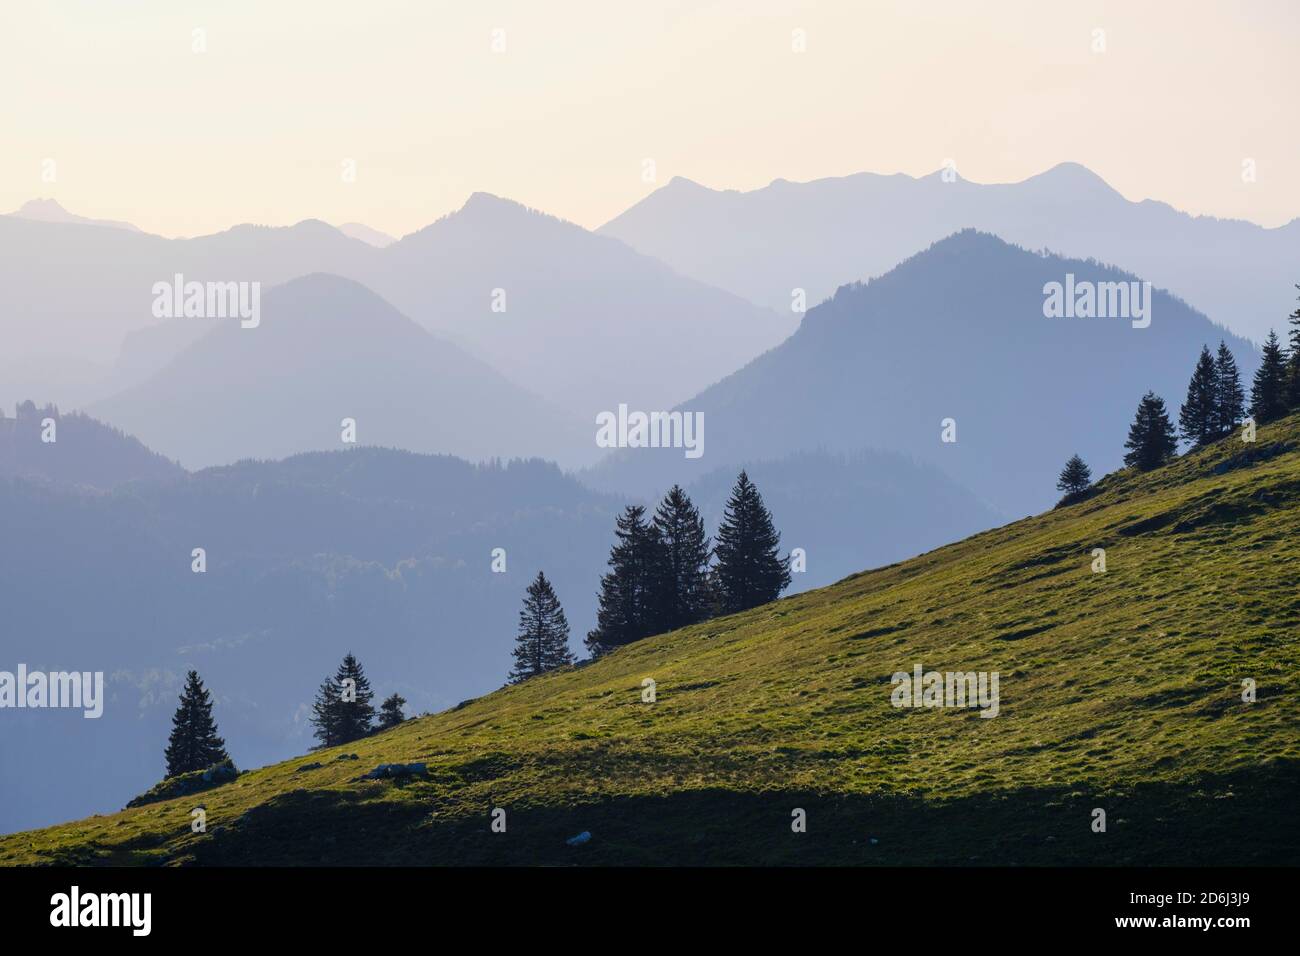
1214,407
662,575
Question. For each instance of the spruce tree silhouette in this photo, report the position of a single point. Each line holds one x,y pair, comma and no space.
194,744
543,640
1075,477
1293,363
1198,418
627,607
343,711
1268,391
390,712
1229,399
1151,440
749,572
681,591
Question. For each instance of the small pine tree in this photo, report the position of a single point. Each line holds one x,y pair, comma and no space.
749,571
680,591
1229,399
1268,392
543,641
1075,477
390,712
194,744
343,710
1151,440
627,607
1199,417
1293,364
324,714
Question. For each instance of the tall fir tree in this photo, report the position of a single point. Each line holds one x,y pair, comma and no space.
325,714
1229,398
343,711
1293,363
543,641
1198,419
1075,477
1151,440
680,590
627,601
750,571
390,711
194,744
1268,392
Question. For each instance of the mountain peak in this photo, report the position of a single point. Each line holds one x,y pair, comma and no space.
310,226
44,209
41,207
1073,176
484,211
485,200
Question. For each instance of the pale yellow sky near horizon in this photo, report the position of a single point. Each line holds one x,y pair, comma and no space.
257,128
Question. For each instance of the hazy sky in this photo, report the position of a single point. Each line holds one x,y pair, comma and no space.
257,128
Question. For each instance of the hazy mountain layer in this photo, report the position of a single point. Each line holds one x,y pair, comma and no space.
819,235
956,332
328,350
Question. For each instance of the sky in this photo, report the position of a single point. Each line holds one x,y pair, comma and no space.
393,113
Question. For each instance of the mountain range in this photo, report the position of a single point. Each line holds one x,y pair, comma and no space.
581,320
819,235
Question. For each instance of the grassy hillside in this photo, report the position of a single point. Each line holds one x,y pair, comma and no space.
1119,690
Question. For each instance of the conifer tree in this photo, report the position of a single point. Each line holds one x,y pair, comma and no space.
325,713
627,606
1075,477
343,710
543,641
194,744
680,590
1293,364
749,572
1268,392
1151,440
390,712
1199,416
1229,399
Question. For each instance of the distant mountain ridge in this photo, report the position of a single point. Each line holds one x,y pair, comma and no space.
49,210
83,451
818,235
581,320
327,349
957,331
576,317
